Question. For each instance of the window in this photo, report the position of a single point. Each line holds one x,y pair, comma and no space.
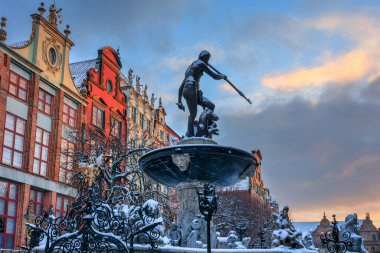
149,125
134,114
98,117
66,161
61,205
14,136
161,135
44,101
18,86
115,128
133,144
41,151
37,198
69,115
109,86
142,121
8,212
52,56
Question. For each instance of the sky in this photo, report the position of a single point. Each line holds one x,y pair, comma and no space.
311,68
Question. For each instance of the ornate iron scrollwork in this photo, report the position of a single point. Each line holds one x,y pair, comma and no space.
106,216
331,240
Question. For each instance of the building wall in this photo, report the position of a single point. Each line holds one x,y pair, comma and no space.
32,93
370,234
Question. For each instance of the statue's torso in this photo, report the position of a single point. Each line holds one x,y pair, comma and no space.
195,70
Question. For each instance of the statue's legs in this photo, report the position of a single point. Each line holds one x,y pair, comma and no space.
190,95
204,102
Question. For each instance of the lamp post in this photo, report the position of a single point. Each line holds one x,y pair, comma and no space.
261,237
2,226
331,239
208,206
241,228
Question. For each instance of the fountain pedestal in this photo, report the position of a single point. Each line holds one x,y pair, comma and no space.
187,167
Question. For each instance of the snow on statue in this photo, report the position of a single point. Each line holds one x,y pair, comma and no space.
286,235
350,225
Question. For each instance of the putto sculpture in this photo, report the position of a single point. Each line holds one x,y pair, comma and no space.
190,90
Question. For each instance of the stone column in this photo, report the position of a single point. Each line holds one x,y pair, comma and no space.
189,208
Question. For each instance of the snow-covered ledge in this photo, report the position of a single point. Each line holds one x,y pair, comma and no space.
171,249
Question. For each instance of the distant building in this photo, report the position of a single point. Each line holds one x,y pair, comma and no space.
371,235
321,229
367,230
255,185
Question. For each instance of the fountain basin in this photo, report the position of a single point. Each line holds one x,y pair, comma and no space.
216,164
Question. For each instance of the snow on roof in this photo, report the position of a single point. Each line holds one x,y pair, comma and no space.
19,43
242,185
123,77
306,227
79,70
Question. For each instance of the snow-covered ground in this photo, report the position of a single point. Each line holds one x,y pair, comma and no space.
171,249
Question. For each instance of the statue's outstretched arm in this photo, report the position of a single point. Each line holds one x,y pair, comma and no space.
211,73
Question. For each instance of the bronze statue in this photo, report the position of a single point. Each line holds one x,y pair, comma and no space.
189,89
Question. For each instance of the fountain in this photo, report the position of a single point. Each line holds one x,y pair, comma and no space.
197,162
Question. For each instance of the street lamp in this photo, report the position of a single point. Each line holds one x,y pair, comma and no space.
241,228
2,226
261,237
208,206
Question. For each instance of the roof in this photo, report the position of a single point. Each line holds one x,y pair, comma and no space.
242,185
306,227
19,43
79,70
123,77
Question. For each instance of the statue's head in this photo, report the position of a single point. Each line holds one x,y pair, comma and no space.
353,217
204,56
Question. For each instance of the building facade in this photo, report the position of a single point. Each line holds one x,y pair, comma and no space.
38,100
370,234
255,186
42,109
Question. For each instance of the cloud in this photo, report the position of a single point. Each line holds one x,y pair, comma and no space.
360,61
226,87
346,69
302,142
176,63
